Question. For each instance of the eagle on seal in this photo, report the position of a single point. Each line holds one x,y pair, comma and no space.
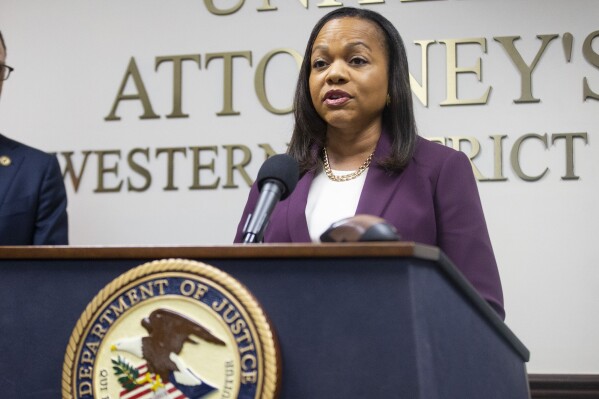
167,332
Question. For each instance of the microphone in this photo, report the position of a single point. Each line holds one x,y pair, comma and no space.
277,179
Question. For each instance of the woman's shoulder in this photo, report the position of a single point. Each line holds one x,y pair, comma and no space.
432,160
432,152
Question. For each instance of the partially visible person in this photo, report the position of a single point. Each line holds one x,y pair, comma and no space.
359,152
33,200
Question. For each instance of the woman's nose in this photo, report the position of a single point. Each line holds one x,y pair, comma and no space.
337,73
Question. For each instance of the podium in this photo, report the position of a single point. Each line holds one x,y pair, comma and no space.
380,320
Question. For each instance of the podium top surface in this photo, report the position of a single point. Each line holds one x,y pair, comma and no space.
396,249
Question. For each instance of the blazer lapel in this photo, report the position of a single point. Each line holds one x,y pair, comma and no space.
296,210
7,173
380,186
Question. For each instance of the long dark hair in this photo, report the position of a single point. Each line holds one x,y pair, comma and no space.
309,132
2,41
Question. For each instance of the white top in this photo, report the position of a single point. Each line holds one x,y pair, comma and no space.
330,201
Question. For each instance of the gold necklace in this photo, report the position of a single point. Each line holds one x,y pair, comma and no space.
351,176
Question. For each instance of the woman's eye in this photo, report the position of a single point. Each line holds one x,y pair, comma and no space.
318,64
358,61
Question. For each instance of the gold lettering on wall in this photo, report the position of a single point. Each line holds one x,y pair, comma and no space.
497,158
228,77
239,166
177,61
593,59
268,150
525,70
219,11
453,70
329,3
141,95
102,170
170,165
198,166
140,170
260,79
569,138
421,90
266,6
142,165
70,169
457,141
132,86
515,156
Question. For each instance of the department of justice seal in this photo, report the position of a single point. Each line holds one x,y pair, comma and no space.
172,329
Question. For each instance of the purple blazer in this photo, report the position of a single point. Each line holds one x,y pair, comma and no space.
433,201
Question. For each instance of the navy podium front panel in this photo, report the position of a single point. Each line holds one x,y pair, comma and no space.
358,327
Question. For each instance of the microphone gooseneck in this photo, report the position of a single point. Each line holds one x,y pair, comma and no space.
276,180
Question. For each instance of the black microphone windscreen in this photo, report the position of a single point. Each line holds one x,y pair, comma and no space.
282,168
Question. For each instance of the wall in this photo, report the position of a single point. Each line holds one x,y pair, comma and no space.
166,172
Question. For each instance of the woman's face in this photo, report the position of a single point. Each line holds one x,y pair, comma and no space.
348,79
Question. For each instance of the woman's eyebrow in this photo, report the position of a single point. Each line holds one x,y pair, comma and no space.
350,45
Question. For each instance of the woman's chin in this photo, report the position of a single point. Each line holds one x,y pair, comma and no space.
340,120
344,122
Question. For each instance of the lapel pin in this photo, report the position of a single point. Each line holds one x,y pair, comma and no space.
4,160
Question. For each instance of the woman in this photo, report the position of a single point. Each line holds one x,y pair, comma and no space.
356,142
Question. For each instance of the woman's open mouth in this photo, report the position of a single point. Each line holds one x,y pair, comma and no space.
336,97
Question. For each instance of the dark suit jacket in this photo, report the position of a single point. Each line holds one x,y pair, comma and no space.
33,200
433,201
